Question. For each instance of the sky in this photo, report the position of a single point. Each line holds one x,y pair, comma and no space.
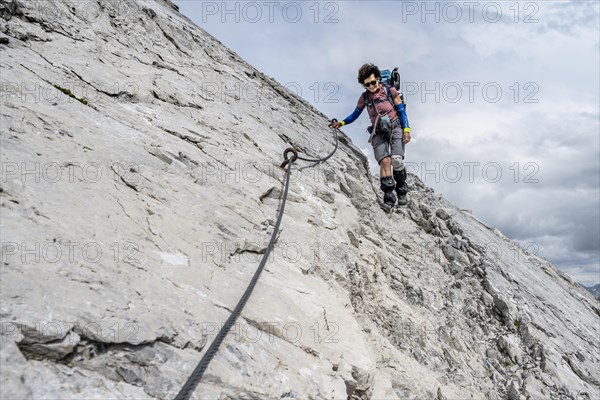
503,99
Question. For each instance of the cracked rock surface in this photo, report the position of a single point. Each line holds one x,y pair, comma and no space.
140,186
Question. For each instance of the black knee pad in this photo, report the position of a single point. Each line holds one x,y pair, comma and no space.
387,184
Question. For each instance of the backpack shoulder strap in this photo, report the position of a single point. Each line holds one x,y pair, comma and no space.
388,93
366,99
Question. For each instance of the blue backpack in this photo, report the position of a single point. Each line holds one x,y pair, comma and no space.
392,78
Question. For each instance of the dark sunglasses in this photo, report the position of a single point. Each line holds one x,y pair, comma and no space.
372,83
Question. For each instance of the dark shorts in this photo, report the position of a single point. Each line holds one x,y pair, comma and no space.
384,147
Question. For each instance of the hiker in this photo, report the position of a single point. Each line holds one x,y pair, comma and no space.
389,132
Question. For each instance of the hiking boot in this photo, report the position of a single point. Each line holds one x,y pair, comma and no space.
389,200
401,187
402,200
389,197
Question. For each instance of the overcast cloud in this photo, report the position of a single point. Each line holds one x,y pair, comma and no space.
503,99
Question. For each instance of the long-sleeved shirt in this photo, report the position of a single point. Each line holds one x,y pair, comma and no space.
378,103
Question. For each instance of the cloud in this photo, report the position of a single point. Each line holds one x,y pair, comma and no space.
528,105
569,16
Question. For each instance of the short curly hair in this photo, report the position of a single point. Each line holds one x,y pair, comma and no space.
366,70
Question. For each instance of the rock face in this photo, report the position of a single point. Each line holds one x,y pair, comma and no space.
140,184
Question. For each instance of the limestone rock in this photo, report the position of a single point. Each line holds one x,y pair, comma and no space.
140,187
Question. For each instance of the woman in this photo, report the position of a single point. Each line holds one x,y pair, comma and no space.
389,132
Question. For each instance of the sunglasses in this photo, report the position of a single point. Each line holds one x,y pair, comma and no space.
372,83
